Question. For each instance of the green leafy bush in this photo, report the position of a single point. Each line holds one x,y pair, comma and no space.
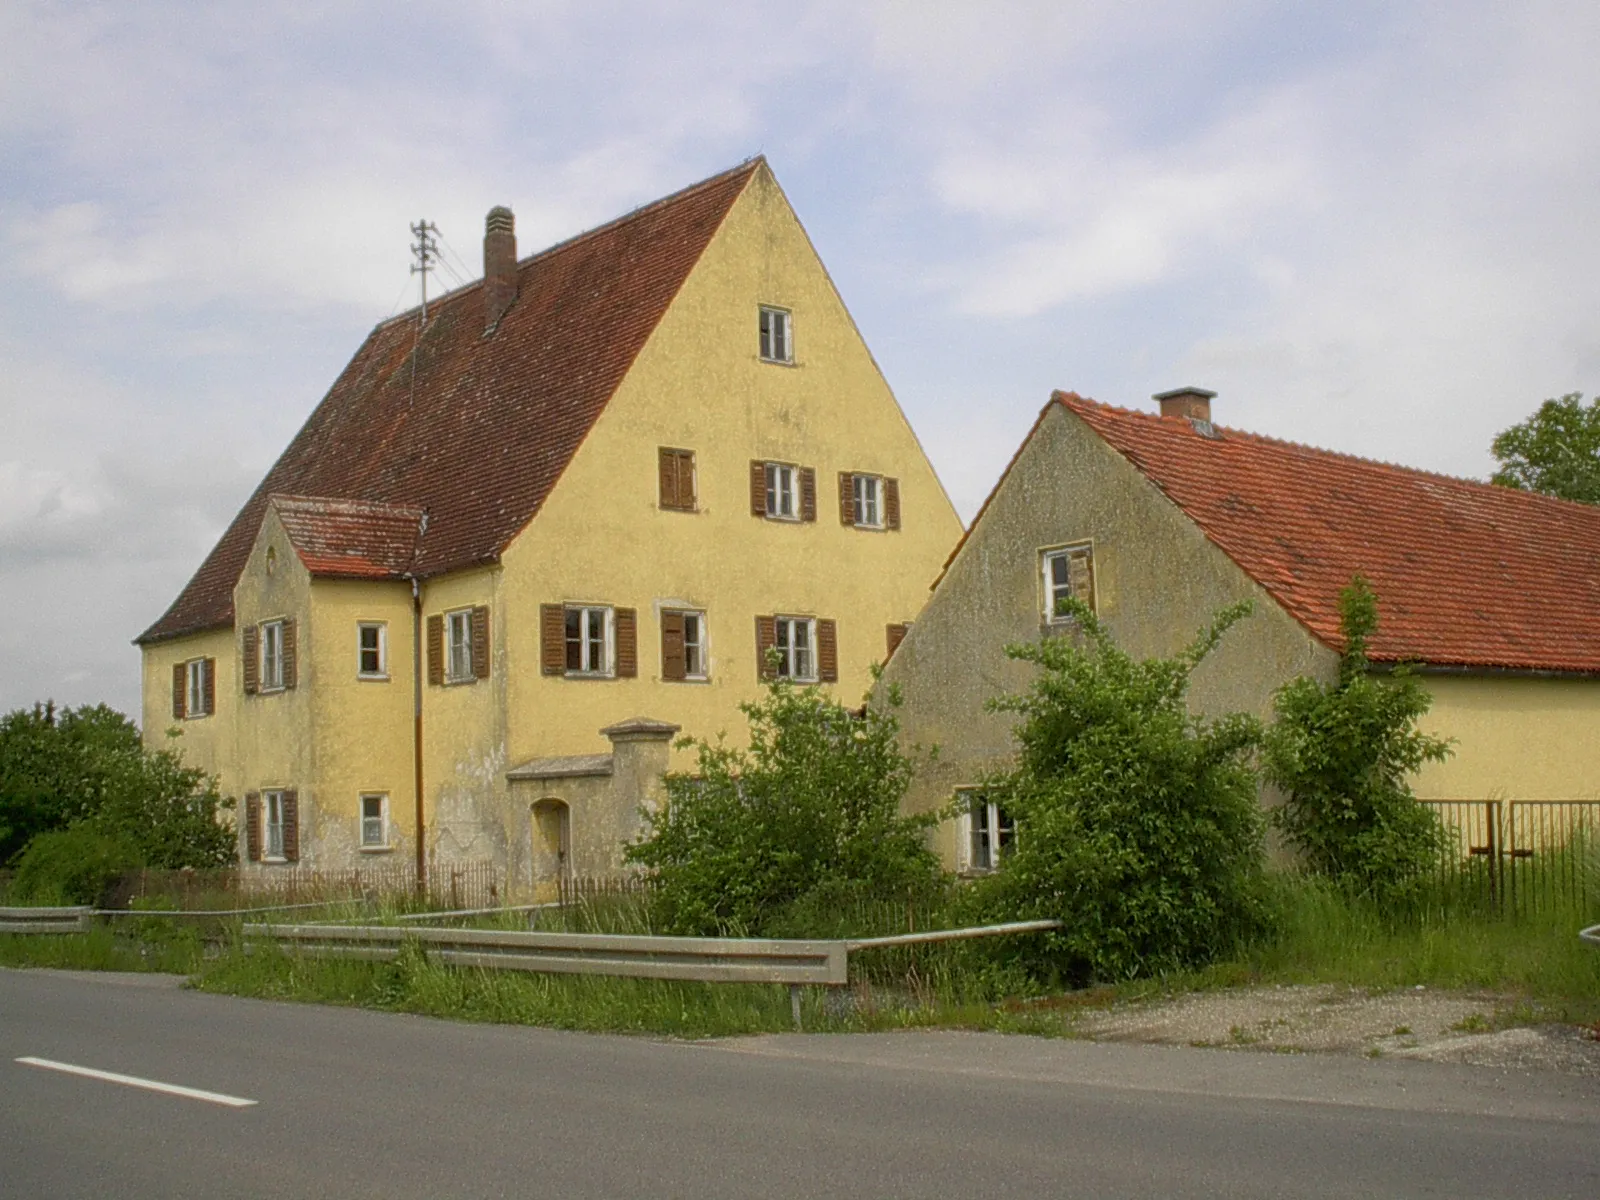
1138,824
1342,753
88,766
79,865
809,815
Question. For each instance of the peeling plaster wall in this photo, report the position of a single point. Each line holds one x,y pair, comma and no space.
1158,581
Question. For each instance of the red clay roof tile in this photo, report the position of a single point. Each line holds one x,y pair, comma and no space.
351,539
1466,574
476,430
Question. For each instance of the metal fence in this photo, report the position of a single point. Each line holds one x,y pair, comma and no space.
577,889
449,885
1521,857
45,920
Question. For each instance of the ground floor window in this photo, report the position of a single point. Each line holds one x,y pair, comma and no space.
272,811
374,821
987,833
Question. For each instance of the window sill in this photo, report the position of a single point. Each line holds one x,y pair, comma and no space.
268,861
460,682
372,678
677,508
776,362
588,675
196,716
377,849
271,691
779,519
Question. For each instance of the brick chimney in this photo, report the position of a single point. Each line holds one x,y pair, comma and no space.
499,265
1191,402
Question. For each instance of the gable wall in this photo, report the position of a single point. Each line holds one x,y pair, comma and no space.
699,384
1158,582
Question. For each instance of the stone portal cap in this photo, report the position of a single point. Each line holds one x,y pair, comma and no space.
571,766
641,729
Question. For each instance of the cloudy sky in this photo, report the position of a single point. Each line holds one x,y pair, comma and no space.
1368,226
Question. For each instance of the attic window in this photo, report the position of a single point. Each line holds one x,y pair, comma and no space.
272,559
777,344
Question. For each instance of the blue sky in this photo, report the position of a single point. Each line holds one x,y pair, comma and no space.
1367,226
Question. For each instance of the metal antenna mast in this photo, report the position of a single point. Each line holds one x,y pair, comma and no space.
426,251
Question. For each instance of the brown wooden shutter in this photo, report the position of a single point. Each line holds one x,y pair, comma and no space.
291,826
553,638
895,634
209,684
180,690
480,642
667,477
252,659
766,639
288,652
252,826
674,658
758,488
436,649
847,498
827,651
808,494
1080,575
891,504
626,628
676,471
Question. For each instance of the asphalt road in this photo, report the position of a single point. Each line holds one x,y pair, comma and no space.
352,1103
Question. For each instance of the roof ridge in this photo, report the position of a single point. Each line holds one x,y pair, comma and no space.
683,193
1064,398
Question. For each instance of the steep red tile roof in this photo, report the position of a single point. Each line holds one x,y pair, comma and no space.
1466,574
351,539
476,430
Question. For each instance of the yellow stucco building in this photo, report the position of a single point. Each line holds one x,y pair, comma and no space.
1159,521
520,545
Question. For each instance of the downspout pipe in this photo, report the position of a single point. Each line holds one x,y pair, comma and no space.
416,732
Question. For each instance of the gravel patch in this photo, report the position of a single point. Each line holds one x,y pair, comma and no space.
1422,1023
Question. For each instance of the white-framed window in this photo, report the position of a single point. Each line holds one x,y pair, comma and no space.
458,646
987,831
797,648
869,501
374,821
782,497
372,650
271,656
590,630
194,688
1068,572
777,342
696,662
272,808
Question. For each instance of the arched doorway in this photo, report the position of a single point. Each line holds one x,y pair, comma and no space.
552,846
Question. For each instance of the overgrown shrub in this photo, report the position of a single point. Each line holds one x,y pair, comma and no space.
808,815
79,865
89,766
1137,823
1343,754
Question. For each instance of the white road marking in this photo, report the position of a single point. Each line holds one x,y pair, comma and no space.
151,1085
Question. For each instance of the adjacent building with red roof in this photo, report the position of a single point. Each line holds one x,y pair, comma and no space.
526,536
1159,520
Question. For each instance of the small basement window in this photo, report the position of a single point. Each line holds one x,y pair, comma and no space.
374,821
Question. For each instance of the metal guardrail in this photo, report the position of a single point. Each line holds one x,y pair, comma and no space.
710,960
1591,935
705,960
45,920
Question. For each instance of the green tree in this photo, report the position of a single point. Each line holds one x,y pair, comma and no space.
810,810
1137,822
87,767
1556,451
1343,753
